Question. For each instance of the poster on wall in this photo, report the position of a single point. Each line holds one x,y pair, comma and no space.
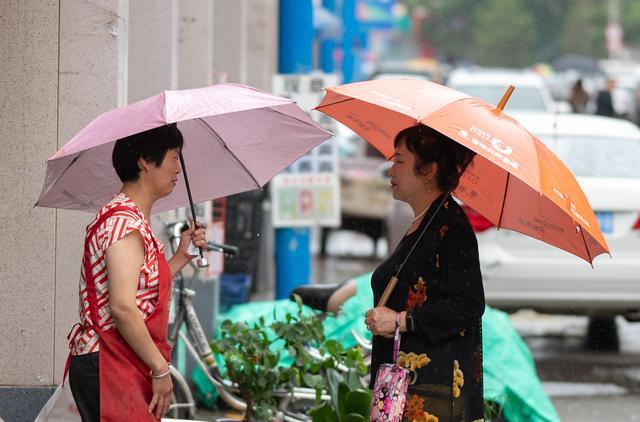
302,200
307,193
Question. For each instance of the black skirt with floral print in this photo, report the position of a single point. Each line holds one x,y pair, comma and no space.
441,286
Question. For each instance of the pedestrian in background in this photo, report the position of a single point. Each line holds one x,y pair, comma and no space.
578,98
439,299
604,100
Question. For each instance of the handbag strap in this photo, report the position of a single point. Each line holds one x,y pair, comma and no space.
422,232
394,280
396,338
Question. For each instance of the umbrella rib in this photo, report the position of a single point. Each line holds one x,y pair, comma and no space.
585,246
295,118
219,138
504,199
337,102
66,169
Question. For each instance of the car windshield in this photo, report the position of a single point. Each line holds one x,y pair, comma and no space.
521,99
598,157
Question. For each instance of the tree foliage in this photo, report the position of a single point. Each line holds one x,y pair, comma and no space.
505,34
630,17
520,32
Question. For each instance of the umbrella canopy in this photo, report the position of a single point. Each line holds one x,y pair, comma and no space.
236,138
515,181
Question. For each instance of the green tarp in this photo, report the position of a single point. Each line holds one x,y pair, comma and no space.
510,378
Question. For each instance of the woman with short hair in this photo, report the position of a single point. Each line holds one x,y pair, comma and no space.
119,359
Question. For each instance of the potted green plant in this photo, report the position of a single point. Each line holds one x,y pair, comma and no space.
252,355
300,332
350,402
252,365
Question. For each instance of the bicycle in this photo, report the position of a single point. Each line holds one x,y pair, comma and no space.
197,345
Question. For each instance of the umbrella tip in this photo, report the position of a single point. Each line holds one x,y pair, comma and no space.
505,98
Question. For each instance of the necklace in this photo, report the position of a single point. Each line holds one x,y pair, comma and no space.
419,215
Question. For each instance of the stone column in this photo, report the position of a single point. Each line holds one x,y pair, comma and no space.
65,63
93,44
28,134
246,41
150,47
195,43
262,45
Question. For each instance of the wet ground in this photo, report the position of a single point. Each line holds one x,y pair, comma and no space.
583,385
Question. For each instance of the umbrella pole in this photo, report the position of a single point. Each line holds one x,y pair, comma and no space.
202,261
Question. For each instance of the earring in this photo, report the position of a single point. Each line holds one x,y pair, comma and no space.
426,182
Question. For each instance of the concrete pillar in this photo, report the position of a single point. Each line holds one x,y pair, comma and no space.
195,43
151,47
92,79
245,42
227,52
65,63
28,135
262,44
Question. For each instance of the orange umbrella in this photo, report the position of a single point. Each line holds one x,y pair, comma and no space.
515,181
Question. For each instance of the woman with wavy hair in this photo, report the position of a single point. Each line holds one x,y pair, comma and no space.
439,299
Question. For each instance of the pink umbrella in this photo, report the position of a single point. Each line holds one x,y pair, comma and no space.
236,139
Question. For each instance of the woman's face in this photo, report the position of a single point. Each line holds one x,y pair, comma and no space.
165,176
406,185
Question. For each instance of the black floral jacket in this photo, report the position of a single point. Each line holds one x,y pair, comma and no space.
441,287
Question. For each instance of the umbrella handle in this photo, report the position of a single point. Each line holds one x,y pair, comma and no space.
202,261
505,98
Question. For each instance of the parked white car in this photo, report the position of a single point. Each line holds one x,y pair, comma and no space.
531,93
521,272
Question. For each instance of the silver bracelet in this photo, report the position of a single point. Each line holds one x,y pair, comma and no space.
164,374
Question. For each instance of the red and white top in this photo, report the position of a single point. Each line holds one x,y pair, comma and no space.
113,229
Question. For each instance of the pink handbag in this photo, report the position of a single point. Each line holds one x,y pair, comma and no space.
390,390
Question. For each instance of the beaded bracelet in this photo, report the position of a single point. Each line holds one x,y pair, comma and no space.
164,374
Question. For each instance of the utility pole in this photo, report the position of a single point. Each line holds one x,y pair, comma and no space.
292,249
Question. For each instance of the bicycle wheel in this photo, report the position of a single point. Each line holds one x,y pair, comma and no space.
182,403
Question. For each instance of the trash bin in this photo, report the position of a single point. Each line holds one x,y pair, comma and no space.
234,289
293,260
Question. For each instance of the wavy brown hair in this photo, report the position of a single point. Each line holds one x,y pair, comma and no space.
430,146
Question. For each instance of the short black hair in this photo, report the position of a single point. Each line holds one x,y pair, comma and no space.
430,146
151,145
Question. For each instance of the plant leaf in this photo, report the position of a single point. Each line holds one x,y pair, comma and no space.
353,417
358,402
323,413
353,380
312,381
343,391
334,378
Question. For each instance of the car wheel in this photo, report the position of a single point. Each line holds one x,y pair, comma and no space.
602,334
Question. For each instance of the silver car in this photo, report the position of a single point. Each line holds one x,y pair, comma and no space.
489,84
